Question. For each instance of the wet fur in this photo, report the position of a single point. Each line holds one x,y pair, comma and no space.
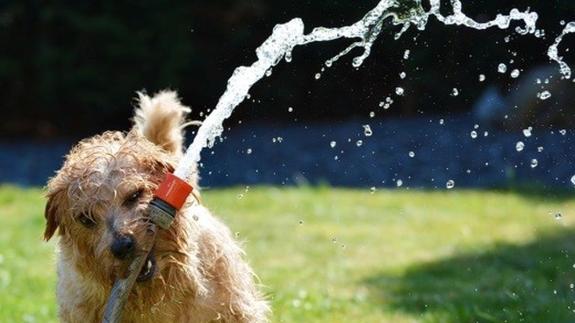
200,276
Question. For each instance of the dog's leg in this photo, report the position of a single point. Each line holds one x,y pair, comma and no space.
234,292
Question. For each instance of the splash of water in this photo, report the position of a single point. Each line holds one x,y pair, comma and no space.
553,51
285,37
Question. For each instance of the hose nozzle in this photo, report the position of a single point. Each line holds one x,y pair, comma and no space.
169,197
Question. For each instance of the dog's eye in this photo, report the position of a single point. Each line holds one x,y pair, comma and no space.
133,197
86,220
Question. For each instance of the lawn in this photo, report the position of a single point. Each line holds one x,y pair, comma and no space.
339,255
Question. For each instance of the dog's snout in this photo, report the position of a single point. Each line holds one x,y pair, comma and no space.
123,246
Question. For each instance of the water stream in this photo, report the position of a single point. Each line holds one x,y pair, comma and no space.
285,37
553,51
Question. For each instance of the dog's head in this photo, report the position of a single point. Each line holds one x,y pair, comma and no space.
98,198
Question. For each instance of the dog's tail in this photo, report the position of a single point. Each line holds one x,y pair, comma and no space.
161,120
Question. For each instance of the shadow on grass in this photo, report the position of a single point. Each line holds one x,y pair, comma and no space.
510,283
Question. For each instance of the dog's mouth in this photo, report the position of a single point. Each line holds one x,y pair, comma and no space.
148,269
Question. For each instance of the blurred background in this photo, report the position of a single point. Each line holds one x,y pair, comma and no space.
70,69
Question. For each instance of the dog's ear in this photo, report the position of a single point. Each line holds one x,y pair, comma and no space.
160,119
51,215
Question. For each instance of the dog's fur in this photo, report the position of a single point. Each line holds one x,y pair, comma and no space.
200,275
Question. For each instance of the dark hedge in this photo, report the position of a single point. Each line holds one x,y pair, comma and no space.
72,67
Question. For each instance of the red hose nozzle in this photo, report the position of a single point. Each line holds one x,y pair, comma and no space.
169,197
173,190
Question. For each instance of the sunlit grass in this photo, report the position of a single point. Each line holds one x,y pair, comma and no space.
337,255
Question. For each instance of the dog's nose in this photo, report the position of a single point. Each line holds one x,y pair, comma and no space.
123,246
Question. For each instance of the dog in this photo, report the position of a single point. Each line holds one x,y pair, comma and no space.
97,201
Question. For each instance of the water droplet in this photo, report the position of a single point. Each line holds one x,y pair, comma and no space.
454,92
359,143
450,184
406,54
357,61
317,76
515,73
441,121
367,130
411,154
527,132
473,134
534,163
399,91
544,95
571,285
385,105
563,132
502,68
540,149
371,114
269,72
300,222
402,75
481,77
573,180
519,146
333,144
240,196
249,151
372,190
399,183
558,216
485,133
290,109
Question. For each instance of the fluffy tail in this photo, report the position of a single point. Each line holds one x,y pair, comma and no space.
161,120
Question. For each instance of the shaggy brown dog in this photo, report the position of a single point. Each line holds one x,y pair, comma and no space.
195,272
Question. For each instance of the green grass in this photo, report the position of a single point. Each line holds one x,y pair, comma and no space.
335,255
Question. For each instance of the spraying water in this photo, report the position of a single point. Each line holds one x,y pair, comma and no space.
285,37
553,51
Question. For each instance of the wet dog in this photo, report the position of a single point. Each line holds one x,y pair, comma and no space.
97,201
